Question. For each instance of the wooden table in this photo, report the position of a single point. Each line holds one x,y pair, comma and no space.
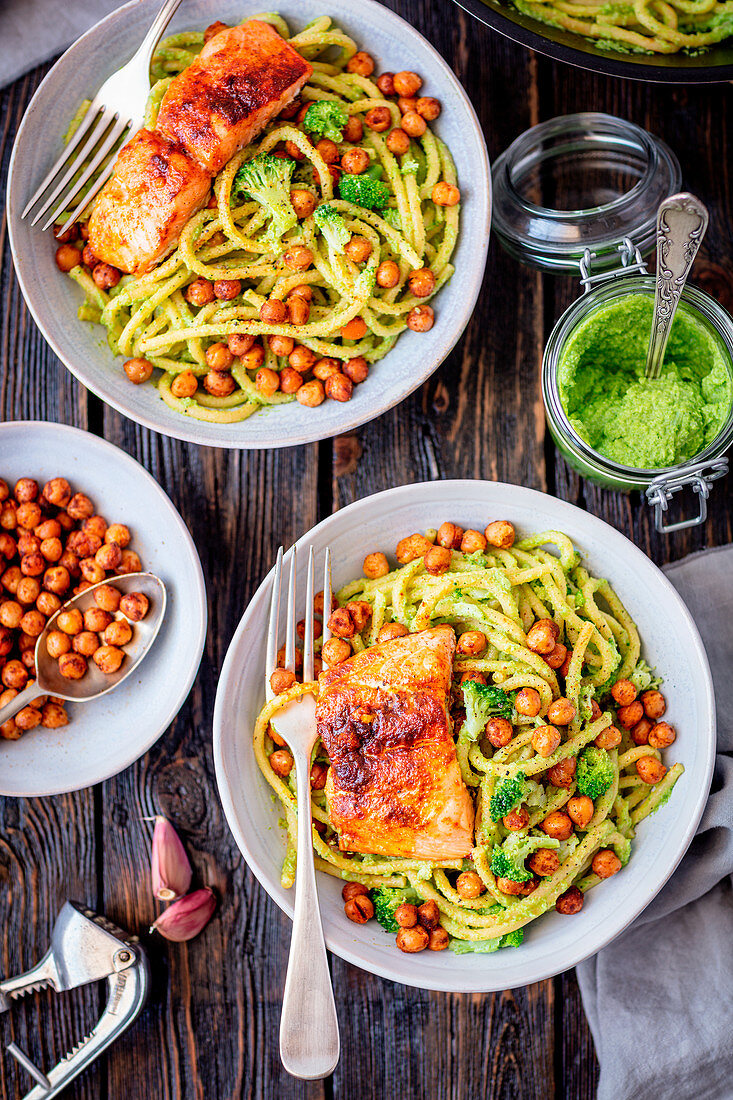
210,1029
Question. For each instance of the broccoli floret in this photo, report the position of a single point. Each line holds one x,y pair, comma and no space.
326,117
595,772
409,165
508,794
332,226
482,947
364,191
267,180
643,677
507,859
387,900
366,281
392,217
483,701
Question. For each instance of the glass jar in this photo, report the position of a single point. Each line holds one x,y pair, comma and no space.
614,176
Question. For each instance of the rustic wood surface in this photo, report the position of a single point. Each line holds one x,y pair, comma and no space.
210,1029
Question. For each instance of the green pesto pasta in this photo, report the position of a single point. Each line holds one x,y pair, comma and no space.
566,773
348,311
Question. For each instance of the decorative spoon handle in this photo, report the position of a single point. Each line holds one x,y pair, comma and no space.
681,223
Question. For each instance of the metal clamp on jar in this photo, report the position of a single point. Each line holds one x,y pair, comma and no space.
615,176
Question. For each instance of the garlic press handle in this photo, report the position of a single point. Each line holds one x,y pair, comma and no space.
127,992
39,976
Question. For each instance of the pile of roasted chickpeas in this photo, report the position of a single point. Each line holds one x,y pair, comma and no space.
311,378
53,545
99,633
419,925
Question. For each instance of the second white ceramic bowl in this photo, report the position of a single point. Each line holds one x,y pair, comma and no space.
671,644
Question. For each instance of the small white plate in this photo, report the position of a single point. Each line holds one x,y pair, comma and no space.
670,642
107,734
53,298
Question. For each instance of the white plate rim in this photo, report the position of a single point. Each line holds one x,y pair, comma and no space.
201,433
199,594
353,954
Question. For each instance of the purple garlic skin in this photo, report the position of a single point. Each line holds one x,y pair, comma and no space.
171,871
186,917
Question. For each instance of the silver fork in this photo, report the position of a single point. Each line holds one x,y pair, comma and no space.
309,1035
116,110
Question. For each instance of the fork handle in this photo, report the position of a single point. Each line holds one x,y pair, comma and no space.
151,39
309,1035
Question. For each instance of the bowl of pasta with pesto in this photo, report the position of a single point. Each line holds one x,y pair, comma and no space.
516,736
291,241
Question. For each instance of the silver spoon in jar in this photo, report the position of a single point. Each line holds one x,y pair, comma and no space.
94,682
681,223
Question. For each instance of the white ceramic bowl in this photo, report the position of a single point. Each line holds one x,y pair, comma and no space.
671,643
53,298
107,734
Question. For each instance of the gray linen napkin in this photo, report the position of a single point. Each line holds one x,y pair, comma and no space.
659,999
31,31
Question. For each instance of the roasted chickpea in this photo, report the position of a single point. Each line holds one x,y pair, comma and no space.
437,560
605,863
80,507
544,862
106,276
267,381
385,83
108,659
557,825
378,119
361,63
9,731
355,161
130,563
53,716
413,124
90,571
420,318
623,692
218,357
388,274
407,83
428,915
428,107
72,666
472,642
354,329
560,712
500,533
294,151
138,370
134,606
469,885
254,358
71,621
301,358
479,677
398,142
412,940
108,556
356,369
67,257
57,579
8,547
282,680
358,249
281,762
353,130
219,383
324,368
87,643
26,490
48,603
28,515
509,886
4,492
118,633
562,774
445,194
28,544
361,613
281,345
541,637
14,675
609,738
516,820
421,282
184,384
28,590
360,908
33,623
545,740
298,312
472,541
654,704
580,810
341,624
630,715
406,915
28,718
96,619
273,312
10,614
319,773
290,380
450,535
335,651
412,547
328,150
556,658
239,343
46,529
661,735
438,940
565,666
200,292
352,890
375,565
11,578
6,641
303,202
311,393
528,702
57,491
499,732
297,258
390,631
107,597
8,516
570,902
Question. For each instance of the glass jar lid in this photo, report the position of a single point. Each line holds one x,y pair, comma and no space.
577,182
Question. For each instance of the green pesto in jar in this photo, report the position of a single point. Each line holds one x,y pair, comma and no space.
636,421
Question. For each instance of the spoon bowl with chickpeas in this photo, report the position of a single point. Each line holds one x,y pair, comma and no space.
94,641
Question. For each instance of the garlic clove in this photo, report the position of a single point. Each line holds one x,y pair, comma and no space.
171,871
186,917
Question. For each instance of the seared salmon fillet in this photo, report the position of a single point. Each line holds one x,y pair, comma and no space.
394,787
242,78
141,210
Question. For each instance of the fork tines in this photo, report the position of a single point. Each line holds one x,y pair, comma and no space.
291,613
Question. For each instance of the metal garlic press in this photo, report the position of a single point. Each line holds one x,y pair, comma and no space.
84,948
